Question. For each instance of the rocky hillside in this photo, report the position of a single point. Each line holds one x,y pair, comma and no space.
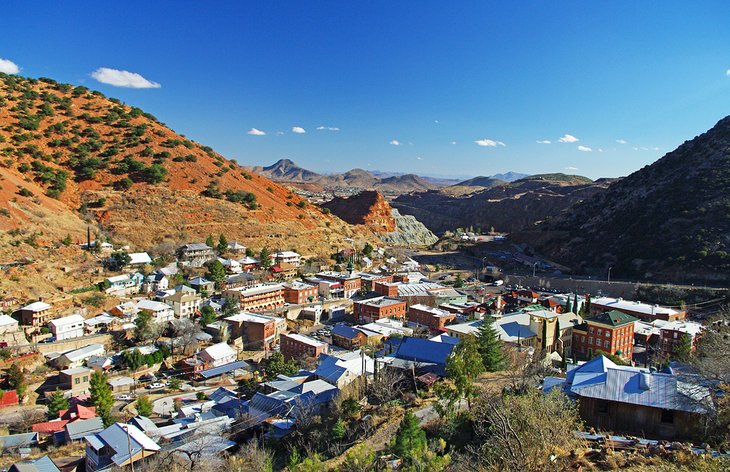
508,207
669,220
287,172
366,208
370,209
73,158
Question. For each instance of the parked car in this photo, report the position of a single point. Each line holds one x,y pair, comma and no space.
155,385
125,398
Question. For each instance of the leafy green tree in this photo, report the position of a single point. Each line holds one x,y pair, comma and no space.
338,430
367,250
249,252
278,365
490,346
265,256
144,406
683,350
56,403
207,315
216,273
410,437
67,240
133,359
17,380
360,459
101,397
145,328
222,244
117,261
209,241
230,307
459,282
464,366
174,383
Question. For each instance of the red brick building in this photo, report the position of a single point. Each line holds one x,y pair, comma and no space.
643,311
369,280
258,297
351,281
258,332
366,311
294,346
611,332
433,318
299,293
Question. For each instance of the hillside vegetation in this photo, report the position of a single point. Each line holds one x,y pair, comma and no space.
669,220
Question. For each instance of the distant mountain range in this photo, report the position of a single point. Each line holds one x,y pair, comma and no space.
666,221
389,183
487,203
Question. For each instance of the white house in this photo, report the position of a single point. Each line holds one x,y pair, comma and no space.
184,303
77,357
8,324
67,327
161,312
139,258
217,355
289,258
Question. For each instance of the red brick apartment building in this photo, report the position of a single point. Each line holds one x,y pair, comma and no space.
299,293
294,346
258,332
643,311
434,318
373,309
369,280
351,281
611,332
258,297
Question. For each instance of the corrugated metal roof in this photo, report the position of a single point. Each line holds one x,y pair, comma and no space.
79,429
42,464
223,369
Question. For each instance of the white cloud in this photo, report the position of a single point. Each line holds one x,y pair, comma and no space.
727,72
571,168
568,138
622,141
636,149
543,141
436,121
489,143
656,148
395,142
256,132
453,142
298,130
419,158
8,67
585,149
600,149
328,128
122,78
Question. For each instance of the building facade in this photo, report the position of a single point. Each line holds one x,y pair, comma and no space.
373,309
610,332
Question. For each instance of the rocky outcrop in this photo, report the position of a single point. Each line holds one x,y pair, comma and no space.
409,232
366,208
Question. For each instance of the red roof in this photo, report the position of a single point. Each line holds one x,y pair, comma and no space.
49,427
78,412
276,269
8,398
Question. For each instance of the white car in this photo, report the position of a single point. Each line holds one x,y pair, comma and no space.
155,385
125,398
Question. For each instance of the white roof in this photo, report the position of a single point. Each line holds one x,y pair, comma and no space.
434,311
67,320
690,327
219,351
628,305
247,317
258,289
84,352
76,370
140,258
36,306
284,254
151,305
5,320
305,339
140,437
248,260
118,278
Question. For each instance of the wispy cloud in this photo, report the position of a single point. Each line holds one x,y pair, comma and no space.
122,78
256,132
8,67
394,142
571,168
298,130
543,141
622,141
419,158
568,138
585,149
727,72
489,143
453,142
328,128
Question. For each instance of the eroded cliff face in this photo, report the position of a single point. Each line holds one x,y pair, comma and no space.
409,232
367,208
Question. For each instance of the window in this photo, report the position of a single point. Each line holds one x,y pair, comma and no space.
86,378
582,339
605,344
590,330
598,332
590,340
667,416
77,381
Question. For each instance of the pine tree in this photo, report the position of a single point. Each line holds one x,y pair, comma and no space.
101,397
490,347
265,257
338,430
216,273
56,403
16,379
544,335
575,303
410,436
222,244
209,241
683,350
144,406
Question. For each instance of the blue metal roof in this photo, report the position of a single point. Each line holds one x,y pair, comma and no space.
42,464
423,350
78,429
19,440
345,331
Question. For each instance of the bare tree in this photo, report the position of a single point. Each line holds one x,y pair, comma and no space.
386,386
525,368
25,419
185,333
202,453
251,458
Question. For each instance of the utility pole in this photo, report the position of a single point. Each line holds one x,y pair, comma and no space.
608,279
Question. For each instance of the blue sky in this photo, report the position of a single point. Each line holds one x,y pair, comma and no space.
436,78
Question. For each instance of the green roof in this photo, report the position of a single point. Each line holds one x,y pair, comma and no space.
613,318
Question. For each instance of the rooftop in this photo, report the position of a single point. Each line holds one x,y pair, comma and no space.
304,339
381,301
628,305
248,317
612,318
434,311
36,306
67,320
258,289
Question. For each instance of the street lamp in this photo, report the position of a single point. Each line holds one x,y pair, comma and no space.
608,279
534,268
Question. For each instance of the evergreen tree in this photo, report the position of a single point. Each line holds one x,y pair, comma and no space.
133,359
265,257
230,307
209,241
569,306
222,244
338,430
16,380
207,315
144,406
67,240
101,397
464,366
410,436
544,335
56,403
216,273
490,346
144,326
683,350
575,303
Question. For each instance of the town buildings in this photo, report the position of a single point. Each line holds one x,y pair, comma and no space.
35,314
434,318
75,380
258,297
257,331
611,332
217,355
161,312
299,293
195,254
184,303
642,311
67,327
376,308
350,283
295,346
